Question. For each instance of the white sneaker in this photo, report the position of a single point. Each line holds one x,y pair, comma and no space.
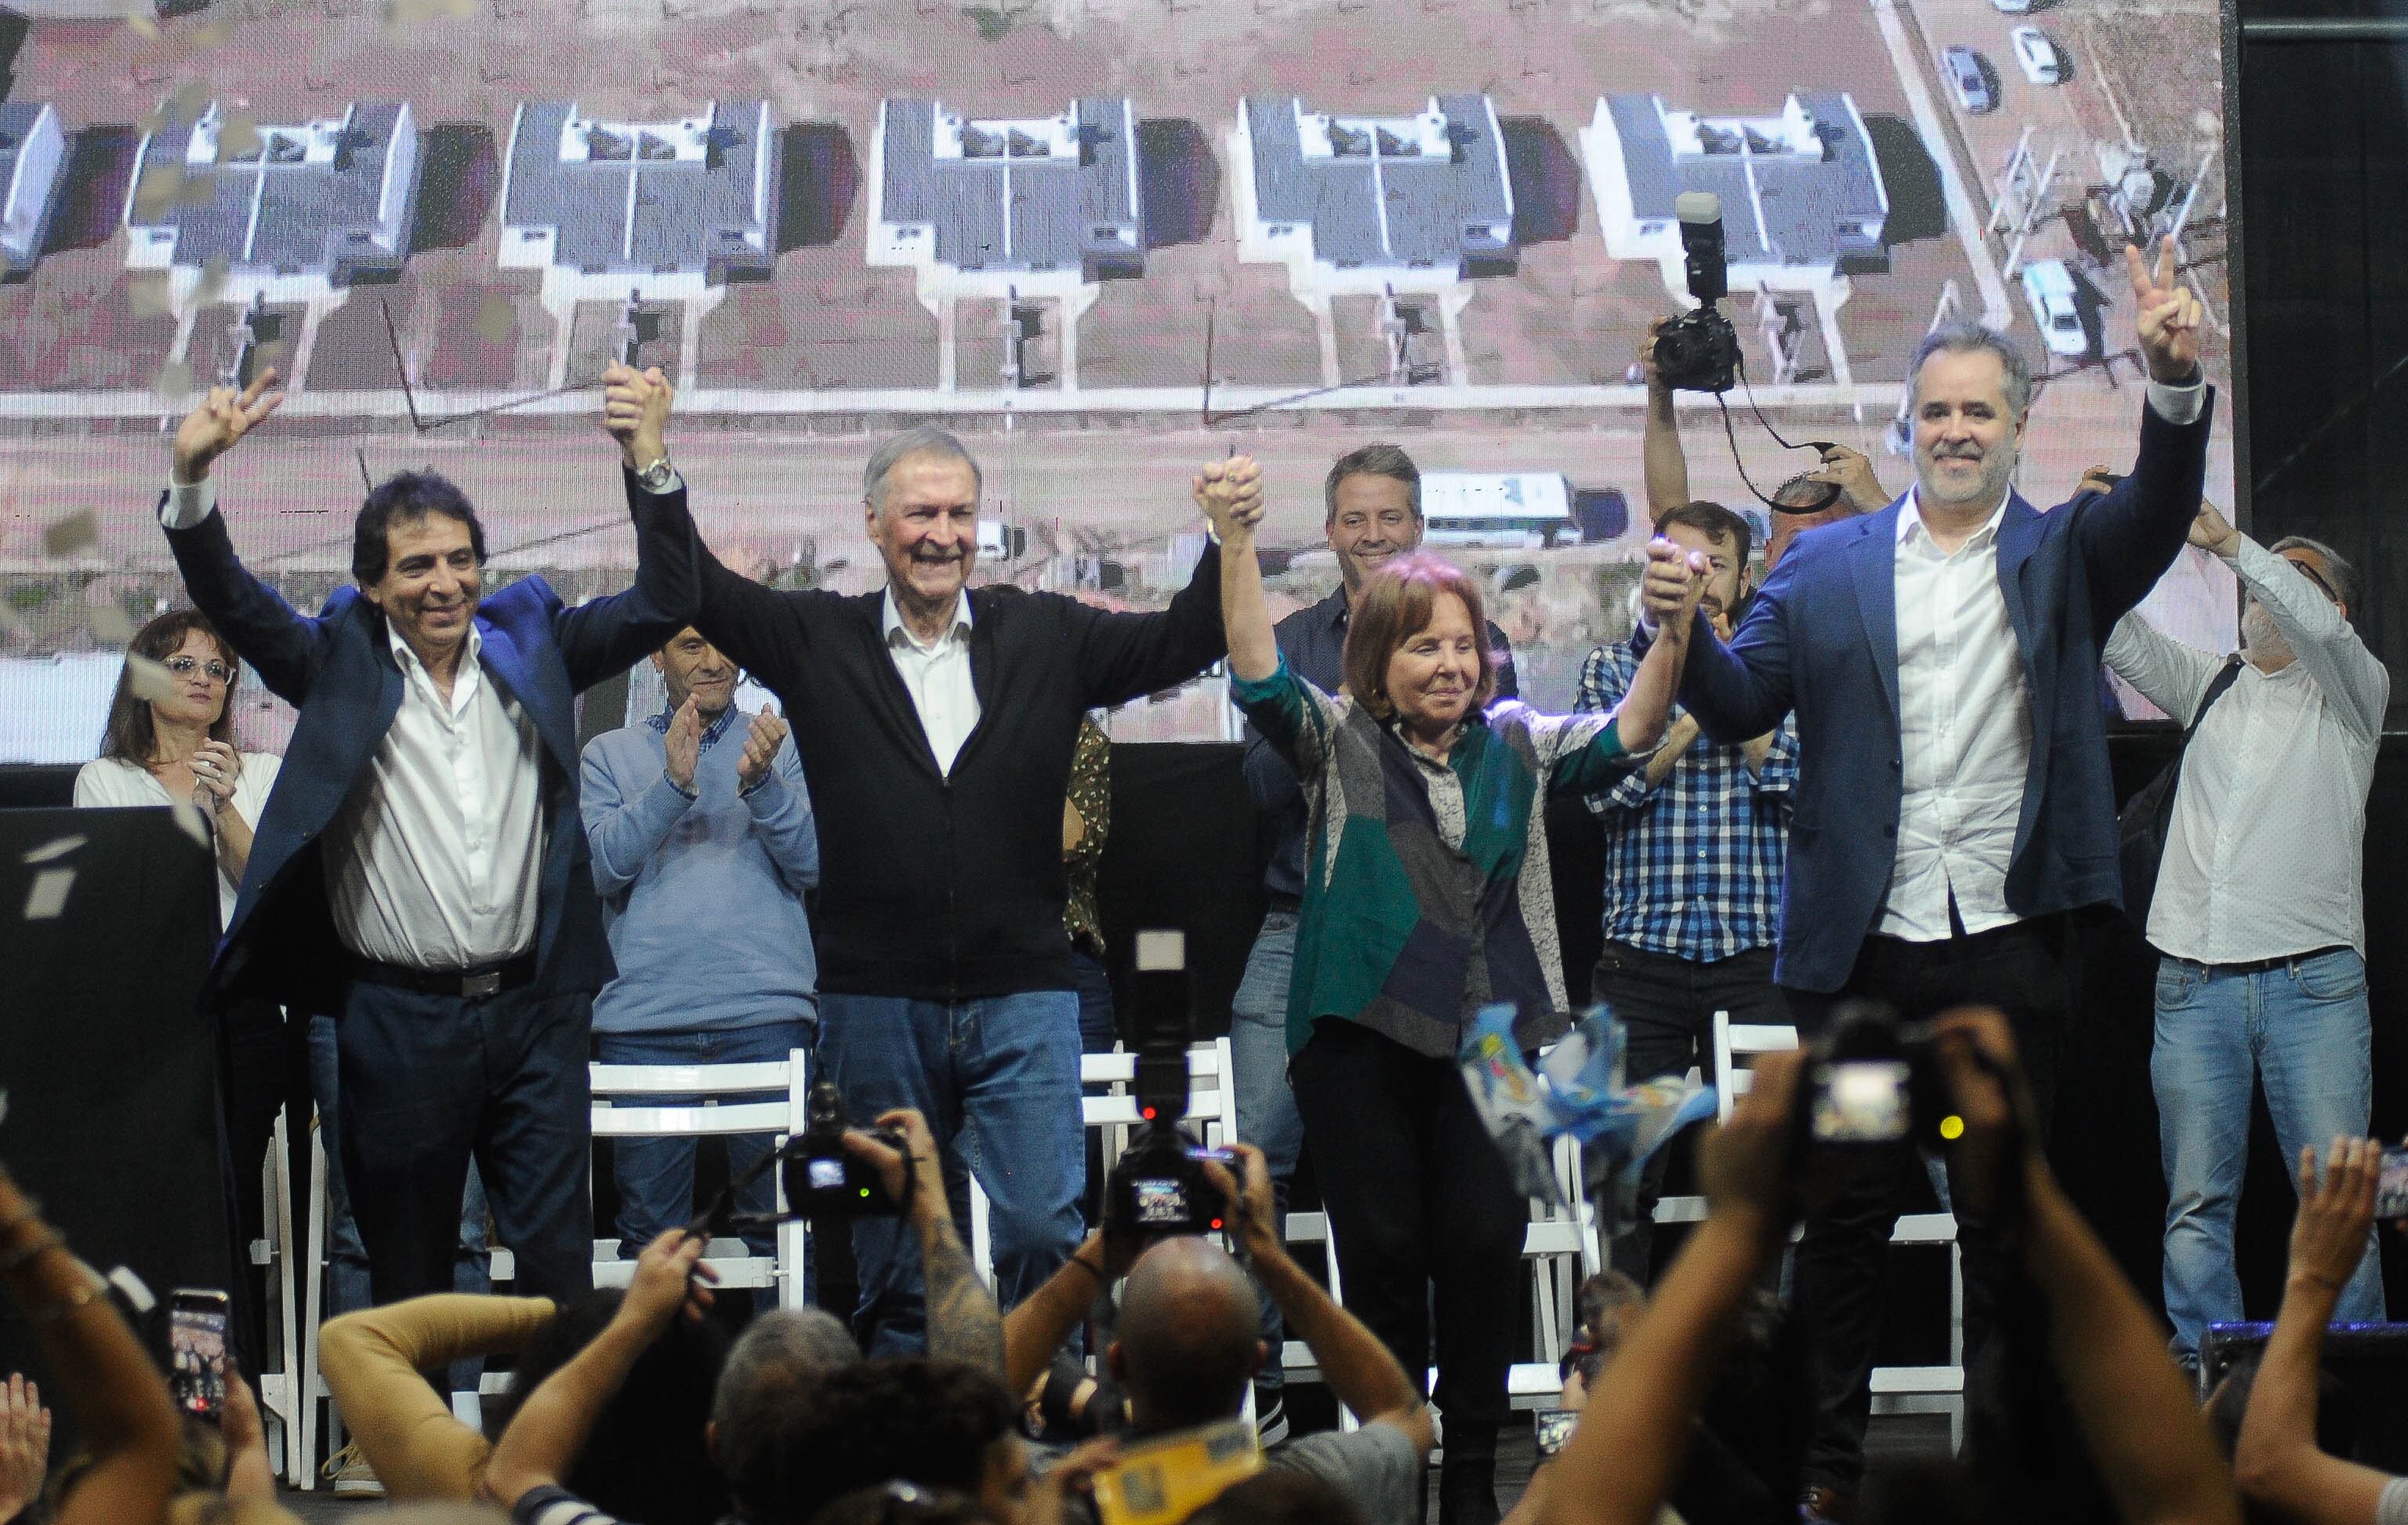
351,1476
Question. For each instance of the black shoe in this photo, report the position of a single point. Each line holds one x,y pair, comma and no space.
1467,1489
1820,1505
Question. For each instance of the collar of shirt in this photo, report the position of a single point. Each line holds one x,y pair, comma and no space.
1910,522
710,733
464,683
1394,726
892,622
1332,611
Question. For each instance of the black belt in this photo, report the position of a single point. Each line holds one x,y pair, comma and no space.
471,984
2259,966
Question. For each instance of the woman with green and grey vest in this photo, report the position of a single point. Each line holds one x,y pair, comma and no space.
1426,896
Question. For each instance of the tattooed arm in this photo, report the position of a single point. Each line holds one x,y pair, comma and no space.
964,1323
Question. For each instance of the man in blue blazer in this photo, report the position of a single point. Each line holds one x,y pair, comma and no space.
420,872
1953,802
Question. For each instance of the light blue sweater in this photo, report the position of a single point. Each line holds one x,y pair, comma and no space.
703,898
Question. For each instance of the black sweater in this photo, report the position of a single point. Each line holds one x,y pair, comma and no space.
944,888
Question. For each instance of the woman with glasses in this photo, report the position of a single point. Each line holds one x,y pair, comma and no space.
181,749
163,750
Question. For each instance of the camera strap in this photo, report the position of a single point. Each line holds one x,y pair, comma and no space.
1722,401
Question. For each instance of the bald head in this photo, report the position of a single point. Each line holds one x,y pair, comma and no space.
1187,1343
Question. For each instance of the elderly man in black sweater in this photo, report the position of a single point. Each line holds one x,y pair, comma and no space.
936,724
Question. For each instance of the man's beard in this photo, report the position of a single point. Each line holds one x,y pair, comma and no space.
2260,637
1997,468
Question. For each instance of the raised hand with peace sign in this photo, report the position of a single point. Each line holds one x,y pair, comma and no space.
2168,316
224,416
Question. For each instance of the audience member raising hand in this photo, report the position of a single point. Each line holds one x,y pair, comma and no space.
2278,1463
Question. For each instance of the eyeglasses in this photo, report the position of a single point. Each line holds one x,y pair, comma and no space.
182,667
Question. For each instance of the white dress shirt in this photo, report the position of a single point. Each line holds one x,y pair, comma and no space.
432,861
1964,730
938,678
106,782
1963,721
2263,852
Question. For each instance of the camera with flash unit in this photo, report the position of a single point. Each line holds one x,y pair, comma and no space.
1698,351
1870,1081
1158,1189
825,1180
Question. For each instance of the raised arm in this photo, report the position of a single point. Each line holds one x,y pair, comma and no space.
1360,1371
284,647
1678,583
1634,1432
2130,535
1604,679
113,1393
2317,626
373,1360
2169,674
1230,493
2142,1428
964,1324
1739,691
2277,1463
604,637
1663,468
552,1427
1123,656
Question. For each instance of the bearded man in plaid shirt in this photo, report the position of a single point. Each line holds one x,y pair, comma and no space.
1693,850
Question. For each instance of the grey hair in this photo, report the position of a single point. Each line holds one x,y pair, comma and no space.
920,440
1374,460
778,1348
1965,339
2338,572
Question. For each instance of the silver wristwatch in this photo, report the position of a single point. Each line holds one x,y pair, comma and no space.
657,476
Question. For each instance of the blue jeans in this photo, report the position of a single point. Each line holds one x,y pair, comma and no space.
1266,1116
2303,1027
655,1177
347,1262
997,1079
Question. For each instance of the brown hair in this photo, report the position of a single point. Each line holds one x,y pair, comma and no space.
1394,606
1373,460
129,735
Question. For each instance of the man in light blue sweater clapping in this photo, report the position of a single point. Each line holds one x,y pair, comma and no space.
703,848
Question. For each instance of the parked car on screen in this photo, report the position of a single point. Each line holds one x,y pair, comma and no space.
2042,61
1969,79
2048,286
2012,7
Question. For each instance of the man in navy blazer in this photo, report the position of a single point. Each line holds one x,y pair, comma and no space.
1953,801
420,872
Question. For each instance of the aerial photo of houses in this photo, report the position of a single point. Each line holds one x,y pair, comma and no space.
1103,240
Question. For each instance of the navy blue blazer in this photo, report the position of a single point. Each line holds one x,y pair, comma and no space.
1820,638
337,670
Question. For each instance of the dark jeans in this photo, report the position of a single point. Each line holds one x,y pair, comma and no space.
2021,970
1666,1005
1418,1199
429,1081
997,1079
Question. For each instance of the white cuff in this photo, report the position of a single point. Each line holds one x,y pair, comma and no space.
676,484
188,503
2178,405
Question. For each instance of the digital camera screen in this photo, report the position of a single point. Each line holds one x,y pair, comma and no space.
1861,1101
824,1175
2391,1187
1160,1200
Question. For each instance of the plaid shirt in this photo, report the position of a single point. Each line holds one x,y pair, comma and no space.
1693,866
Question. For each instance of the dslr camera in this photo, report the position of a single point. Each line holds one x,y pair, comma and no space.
823,1179
1698,351
1870,1081
1158,1189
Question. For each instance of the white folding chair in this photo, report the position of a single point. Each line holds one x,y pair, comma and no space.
774,1092
1896,1390
1561,1250
1212,1109
285,1391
